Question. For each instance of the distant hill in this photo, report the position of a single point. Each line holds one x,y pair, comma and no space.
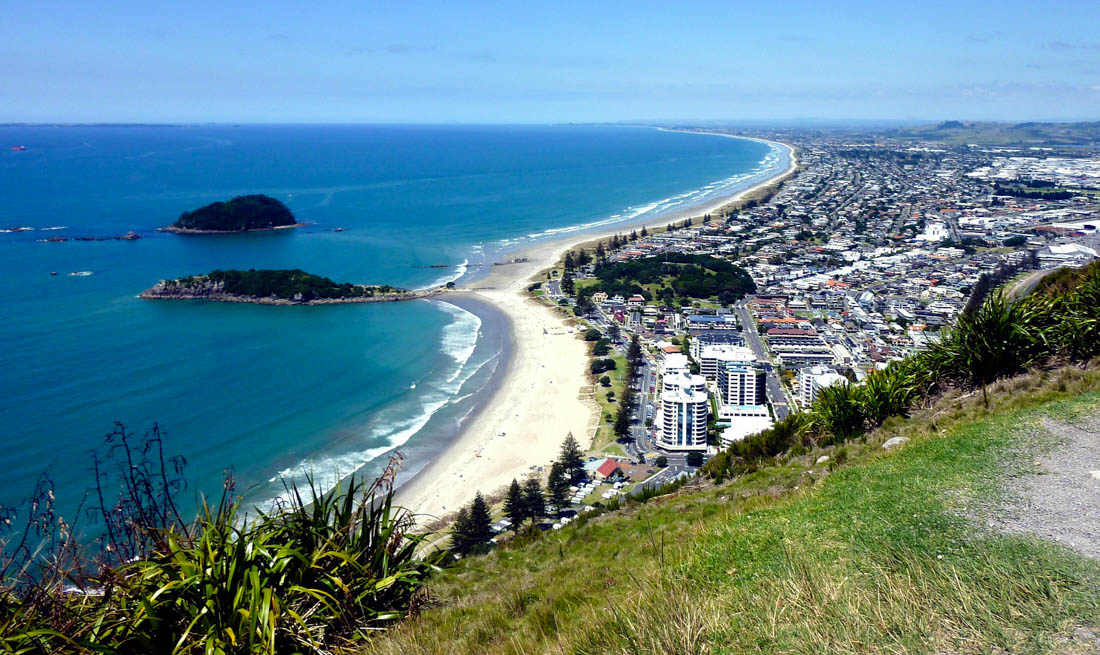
1021,134
241,214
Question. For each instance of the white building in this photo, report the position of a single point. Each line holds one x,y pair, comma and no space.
711,356
1073,255
713,338
741,382
683,418
745,427
742,390
683,380
812,379
675,362
934,232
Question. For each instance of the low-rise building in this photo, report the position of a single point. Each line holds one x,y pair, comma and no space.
812,379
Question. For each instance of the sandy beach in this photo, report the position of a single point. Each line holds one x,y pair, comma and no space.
544,394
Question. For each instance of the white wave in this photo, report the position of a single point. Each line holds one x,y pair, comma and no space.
460,335
459,340
56,227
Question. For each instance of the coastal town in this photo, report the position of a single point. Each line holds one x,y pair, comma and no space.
860,258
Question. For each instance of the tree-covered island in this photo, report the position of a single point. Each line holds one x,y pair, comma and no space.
241,214
277,287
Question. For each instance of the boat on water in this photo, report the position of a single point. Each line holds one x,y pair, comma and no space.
19,147
80,274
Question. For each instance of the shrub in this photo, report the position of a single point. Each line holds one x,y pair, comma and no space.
838,412
1001,338
315,574
888,393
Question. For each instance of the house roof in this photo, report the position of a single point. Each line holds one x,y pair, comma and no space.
608,467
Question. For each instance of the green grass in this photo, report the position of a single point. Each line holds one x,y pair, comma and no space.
877,556
604,434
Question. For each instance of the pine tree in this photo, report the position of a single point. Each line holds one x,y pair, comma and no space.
460,533
533,501
600,252
568,265
572,460
514,506
567,284
634,235
645,232
634,352
557,485
622,419
481,523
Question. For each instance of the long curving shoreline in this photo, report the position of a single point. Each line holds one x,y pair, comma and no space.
544,393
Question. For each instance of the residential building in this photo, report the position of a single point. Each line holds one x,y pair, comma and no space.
710,356
744,427
812,379
683,419
714,338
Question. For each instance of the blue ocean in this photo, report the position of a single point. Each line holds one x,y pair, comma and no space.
263,392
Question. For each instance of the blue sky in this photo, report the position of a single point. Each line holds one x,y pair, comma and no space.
482,62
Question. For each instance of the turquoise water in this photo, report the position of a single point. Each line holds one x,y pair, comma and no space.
278,391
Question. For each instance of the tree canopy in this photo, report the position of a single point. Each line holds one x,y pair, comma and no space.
685,275
288,284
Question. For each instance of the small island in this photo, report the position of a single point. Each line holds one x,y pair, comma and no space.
241,214
278,287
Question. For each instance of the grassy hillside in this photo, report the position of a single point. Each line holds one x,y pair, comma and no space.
881,554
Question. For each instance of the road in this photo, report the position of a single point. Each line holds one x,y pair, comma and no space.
1024,286
662,477
641,436
776,396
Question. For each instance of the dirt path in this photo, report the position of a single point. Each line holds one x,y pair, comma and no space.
1061,500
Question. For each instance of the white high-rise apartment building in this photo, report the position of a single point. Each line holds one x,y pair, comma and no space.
741,382
683,418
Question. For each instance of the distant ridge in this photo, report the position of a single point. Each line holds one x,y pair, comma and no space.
1029,133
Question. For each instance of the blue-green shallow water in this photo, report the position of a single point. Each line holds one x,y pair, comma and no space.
269,391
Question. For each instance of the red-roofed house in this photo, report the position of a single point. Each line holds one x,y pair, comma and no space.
608,469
